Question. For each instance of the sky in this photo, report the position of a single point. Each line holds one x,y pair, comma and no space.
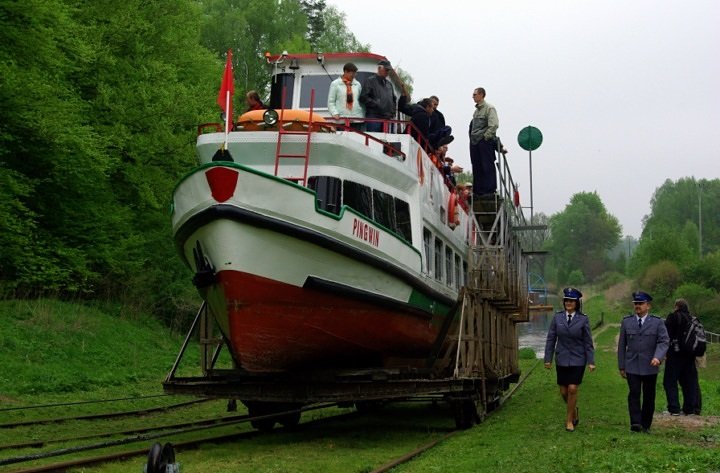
625,92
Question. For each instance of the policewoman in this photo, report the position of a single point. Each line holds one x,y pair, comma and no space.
569,340
642,345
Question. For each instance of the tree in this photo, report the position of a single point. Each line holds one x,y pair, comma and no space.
581,236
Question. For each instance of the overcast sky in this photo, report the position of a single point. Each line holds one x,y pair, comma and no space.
625,92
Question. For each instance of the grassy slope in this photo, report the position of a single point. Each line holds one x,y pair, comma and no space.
49,349
529,436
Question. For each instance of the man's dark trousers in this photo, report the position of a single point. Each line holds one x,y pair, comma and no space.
645,385
482,156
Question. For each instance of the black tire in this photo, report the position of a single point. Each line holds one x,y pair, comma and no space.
155,459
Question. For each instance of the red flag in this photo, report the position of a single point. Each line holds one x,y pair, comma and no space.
225,87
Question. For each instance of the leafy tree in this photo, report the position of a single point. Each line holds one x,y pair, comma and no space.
335,36
581,236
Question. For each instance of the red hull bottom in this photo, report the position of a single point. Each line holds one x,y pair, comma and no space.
278,327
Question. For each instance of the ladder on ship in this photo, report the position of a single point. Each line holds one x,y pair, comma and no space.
287,129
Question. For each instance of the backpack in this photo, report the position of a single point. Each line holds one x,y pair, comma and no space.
693,341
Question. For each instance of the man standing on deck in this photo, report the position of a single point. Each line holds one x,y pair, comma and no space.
483,143
642,345
378,97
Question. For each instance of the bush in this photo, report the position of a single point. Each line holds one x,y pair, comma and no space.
527,353
576,278
661,279
611,279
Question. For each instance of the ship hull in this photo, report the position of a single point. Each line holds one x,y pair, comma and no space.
291,296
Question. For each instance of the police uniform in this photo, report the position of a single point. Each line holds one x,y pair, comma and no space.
572,346
637,346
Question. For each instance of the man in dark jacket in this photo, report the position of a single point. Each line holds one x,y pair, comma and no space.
680,366
419,114
378,97
438,129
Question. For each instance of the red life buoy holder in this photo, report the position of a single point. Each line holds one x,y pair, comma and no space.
453,211
421,171
516,198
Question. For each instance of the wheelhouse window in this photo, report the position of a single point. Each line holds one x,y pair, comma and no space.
359,197
321,85
384,209
427,246
328,192
283,81
438,259
402,219
465,273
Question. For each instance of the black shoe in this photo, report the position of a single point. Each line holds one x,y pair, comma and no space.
636,428
646,430
569,430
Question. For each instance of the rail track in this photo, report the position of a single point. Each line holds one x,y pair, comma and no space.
414,453
163,431
177,433
104,415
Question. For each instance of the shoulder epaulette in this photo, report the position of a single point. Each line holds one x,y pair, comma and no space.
629,315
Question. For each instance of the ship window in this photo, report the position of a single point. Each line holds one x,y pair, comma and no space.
427,242
465,273
402,219
286,81
438,259
359,197
327,192
384,209
321,84
458,279
449,266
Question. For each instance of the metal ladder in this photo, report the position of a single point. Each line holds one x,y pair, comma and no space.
307,133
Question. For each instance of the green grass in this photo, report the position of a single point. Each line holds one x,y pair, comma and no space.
528,434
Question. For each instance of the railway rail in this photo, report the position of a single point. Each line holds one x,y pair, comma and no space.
105,415
185,444
414,453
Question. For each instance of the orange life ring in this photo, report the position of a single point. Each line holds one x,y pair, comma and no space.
453,212
421,170
288,115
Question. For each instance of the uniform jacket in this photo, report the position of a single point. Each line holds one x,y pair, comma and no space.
572,345
378,97
337,97
637,347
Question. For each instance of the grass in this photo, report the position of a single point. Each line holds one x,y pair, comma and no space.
528,434
60,351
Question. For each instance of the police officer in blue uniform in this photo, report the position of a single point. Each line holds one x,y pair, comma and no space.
569,339
642,346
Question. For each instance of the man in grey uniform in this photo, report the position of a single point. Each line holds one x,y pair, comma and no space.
642,346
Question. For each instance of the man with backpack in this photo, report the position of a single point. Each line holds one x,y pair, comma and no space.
687,341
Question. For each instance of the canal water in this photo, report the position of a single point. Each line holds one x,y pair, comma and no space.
532,334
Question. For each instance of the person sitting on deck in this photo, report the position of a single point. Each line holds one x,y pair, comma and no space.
438,129
253,101
419,114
